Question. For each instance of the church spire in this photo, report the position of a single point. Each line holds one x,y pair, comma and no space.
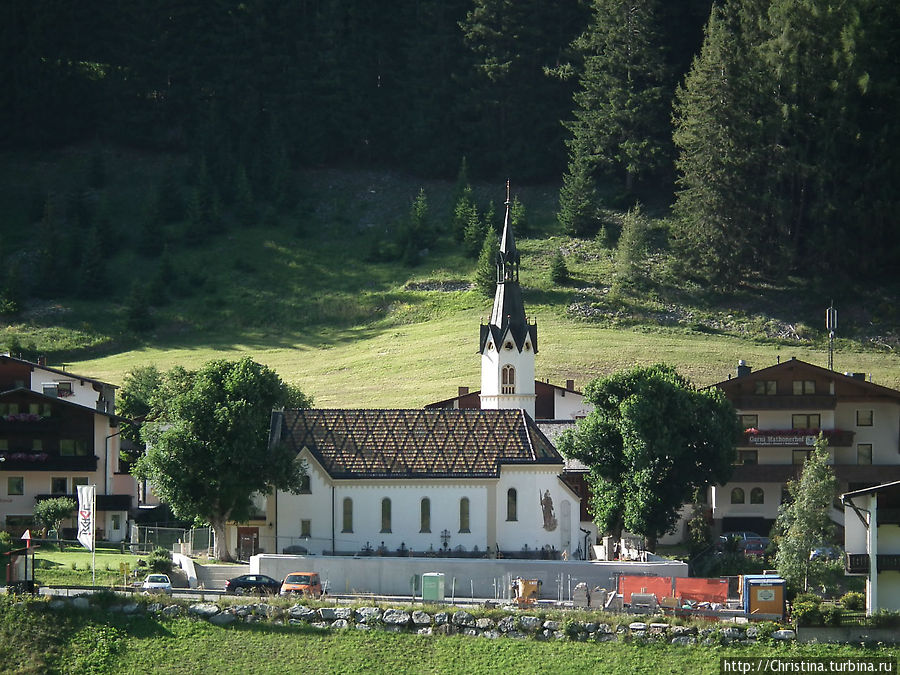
508,342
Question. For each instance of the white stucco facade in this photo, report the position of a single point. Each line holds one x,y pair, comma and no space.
499,363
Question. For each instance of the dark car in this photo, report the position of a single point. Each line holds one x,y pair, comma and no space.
253,583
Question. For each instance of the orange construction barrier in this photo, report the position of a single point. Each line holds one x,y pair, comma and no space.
702,590
661,587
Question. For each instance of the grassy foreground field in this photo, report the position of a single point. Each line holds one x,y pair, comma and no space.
47,641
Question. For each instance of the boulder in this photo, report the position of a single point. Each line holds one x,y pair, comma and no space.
785,634
551,625
637,625
130,608
340,623
327,613
530,624
344,613
421,618
463,618
81,602
368,615
395,617
507,624
682,640
441,618
204,610
223,619
484,623
171,610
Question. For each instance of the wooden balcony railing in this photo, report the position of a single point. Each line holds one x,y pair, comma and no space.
858,563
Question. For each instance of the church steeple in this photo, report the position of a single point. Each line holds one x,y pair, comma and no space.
508,342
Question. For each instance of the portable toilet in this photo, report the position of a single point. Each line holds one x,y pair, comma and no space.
433,586
763,594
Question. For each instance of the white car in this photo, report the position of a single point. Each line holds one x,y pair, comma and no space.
157,583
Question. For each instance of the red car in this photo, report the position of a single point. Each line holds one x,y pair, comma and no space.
755,548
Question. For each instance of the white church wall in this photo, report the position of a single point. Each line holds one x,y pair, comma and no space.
570,405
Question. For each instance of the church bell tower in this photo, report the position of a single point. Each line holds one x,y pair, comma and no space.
508,342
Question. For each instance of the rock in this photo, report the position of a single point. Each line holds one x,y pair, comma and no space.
81,602
130,608
154,607
445,629
733,633
785,634
682,640
551,625
223,619
301,612
605,629
362,626
752,632
204,609
683,630
605,637
242,610
368,615
637,625
320,624
293,622
57,605
530,624
462,618
658,628
425,631
171,610
471,632
516,635
421,618
327,613
395,617
491,634
344,613
507,624
484,623
340,623
441,618
590,627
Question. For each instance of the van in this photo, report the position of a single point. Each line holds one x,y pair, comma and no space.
305,583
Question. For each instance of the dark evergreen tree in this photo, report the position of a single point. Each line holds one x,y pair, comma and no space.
92,282
486,267
559,273
578,198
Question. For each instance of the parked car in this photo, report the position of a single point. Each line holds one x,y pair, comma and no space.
742,536
253,583
826,552
157,583
755,548
305,583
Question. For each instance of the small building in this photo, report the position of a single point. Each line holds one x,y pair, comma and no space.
872,542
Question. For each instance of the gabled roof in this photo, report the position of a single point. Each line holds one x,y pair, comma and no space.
365,444
65,373
841,380
114,419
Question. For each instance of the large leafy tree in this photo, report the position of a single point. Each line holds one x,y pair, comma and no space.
207,445
651,441
804,523
135,403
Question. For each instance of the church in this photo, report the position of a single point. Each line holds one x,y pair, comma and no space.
453,478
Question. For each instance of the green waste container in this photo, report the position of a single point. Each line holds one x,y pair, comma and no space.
433,586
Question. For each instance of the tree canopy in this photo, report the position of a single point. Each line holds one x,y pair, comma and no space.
652,439
207,442
51,512
804,522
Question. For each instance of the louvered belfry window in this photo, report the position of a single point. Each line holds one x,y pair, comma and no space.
508,380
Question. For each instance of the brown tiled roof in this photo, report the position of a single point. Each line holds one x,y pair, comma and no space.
414,443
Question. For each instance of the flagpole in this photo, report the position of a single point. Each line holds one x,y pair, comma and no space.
94,539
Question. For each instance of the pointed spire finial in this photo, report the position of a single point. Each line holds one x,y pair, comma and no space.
507,191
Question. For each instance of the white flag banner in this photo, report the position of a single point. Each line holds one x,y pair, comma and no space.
86,519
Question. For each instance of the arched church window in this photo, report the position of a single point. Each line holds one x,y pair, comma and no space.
425,515
385,515
508,346
512,505
464,515
348,515
737,496
508,385
757,496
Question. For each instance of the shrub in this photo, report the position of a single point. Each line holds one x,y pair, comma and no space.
559,273
832,614
885,618
160,561
808,598
854,600
807,614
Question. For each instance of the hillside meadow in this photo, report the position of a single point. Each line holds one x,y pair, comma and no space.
300,290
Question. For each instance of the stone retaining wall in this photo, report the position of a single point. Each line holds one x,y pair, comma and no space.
514,625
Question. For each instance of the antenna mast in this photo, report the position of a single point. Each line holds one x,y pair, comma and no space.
831,326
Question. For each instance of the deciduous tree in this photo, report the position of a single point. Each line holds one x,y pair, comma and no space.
207,446
803,522
51,512
651,441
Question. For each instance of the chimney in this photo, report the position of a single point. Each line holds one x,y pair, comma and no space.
743,368
570,385
463,391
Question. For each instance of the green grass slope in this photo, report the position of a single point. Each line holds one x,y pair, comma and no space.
299,291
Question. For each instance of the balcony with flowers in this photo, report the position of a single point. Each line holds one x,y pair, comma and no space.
783,438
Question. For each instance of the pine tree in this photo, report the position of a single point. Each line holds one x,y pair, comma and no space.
244,206
632,248
622,104
578,199
486,267
92,270
476,230
559,273
518,216
462,213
